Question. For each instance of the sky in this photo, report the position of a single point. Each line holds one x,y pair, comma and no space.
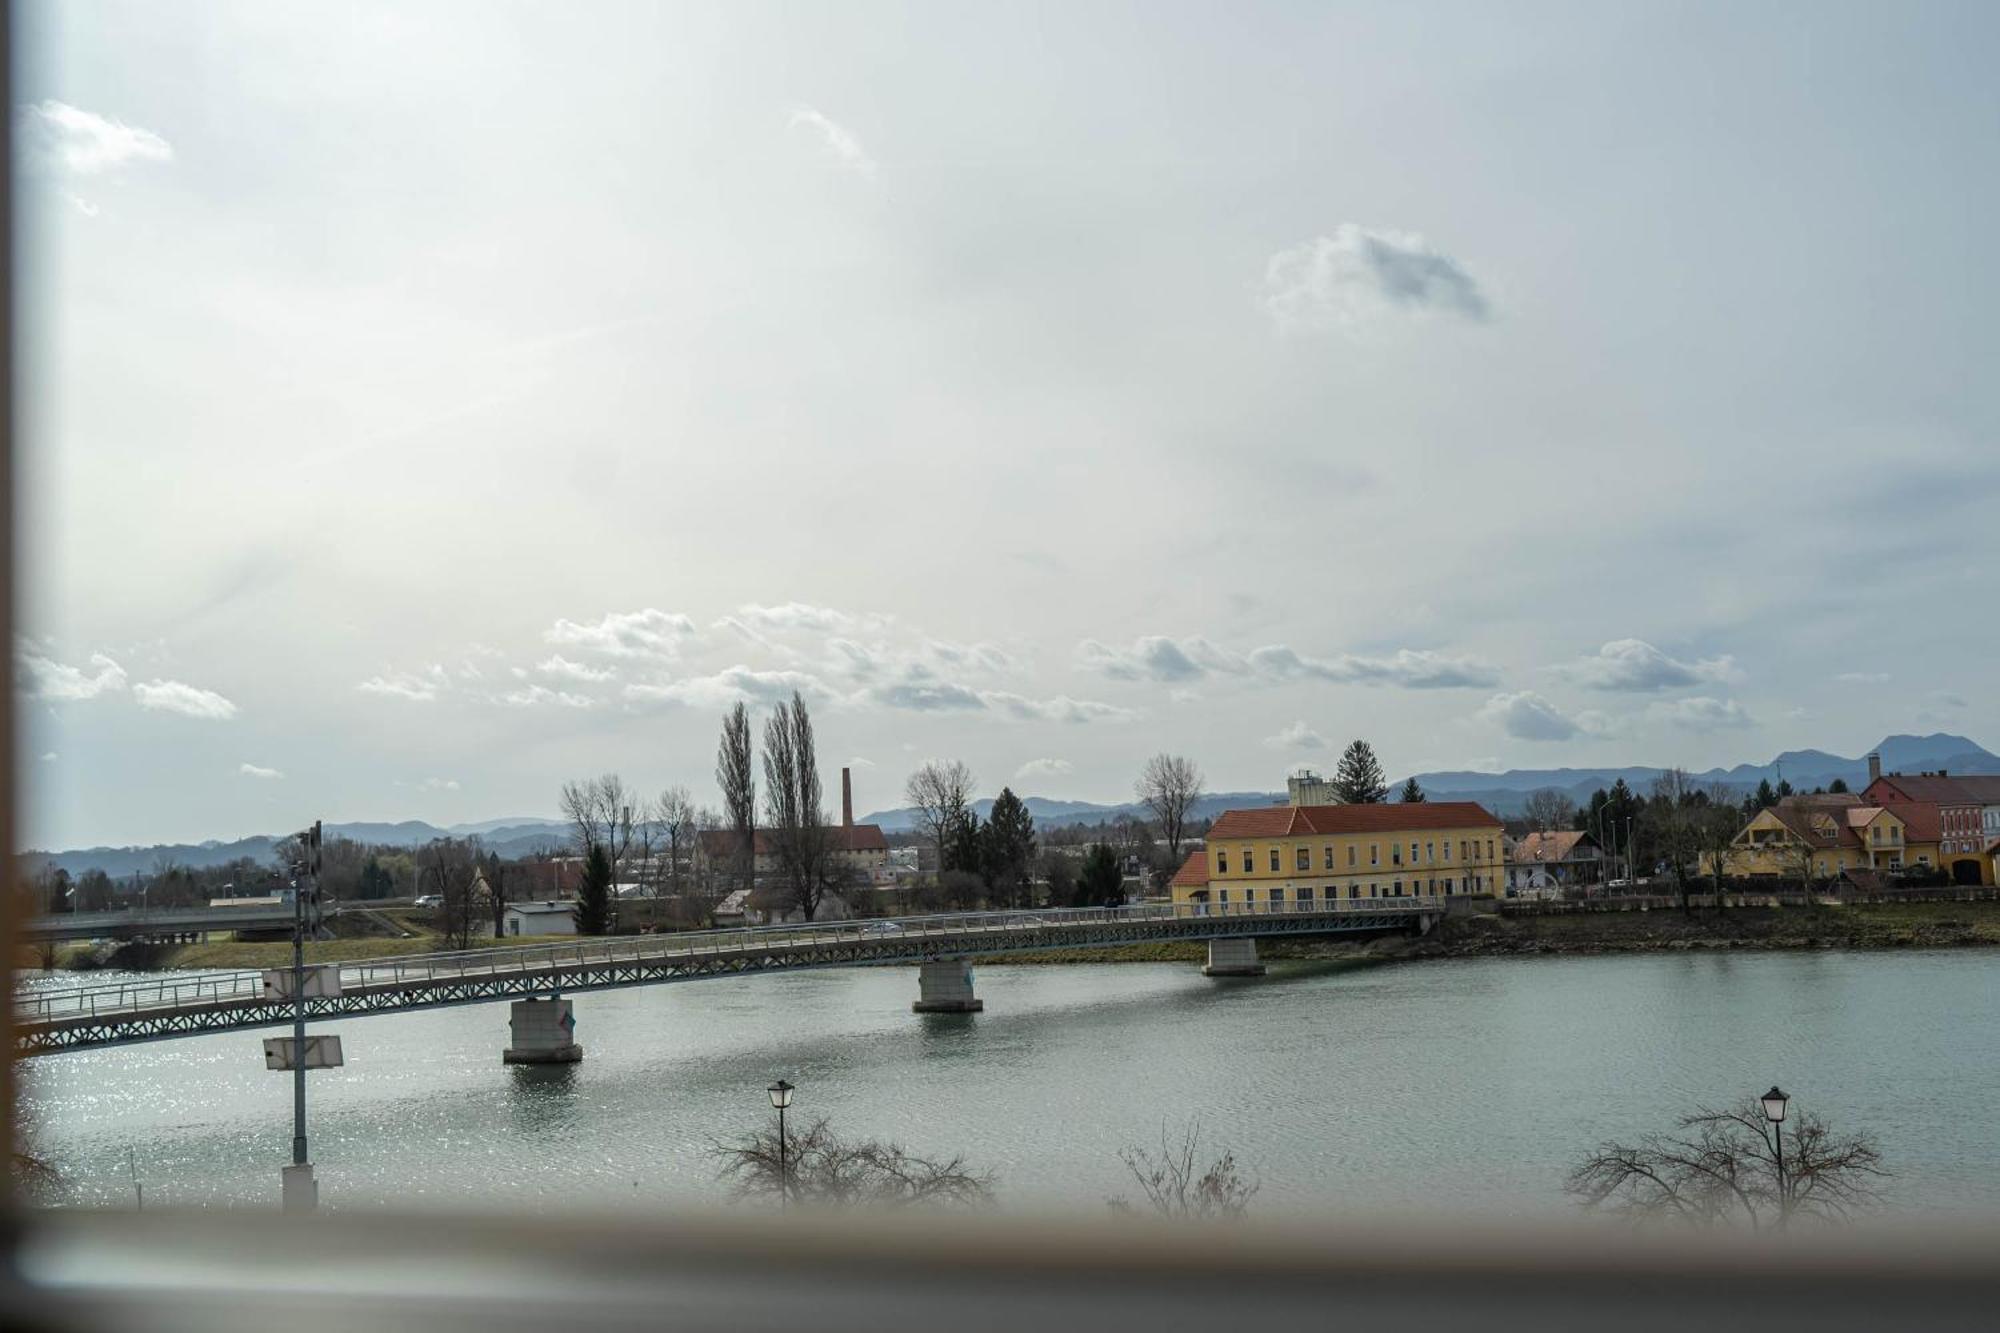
425,404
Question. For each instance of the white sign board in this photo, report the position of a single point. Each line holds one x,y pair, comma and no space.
322,983
321,1053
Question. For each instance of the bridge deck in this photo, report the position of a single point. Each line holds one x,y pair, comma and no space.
152,1009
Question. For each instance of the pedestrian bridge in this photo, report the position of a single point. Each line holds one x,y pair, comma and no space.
153,1009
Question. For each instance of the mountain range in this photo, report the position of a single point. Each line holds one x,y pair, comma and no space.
1503,793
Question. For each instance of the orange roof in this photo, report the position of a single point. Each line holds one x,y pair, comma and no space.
1543,848
1279,821
841,837
1962,789
1920,819
1194,871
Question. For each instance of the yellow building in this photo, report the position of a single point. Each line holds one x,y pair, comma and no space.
1292,854
1817,837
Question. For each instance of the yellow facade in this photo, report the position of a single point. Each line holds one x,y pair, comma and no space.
1295,868
1767,846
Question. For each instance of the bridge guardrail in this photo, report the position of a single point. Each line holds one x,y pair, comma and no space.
246,986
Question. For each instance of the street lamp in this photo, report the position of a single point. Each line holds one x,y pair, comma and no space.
781,1097
1774,1111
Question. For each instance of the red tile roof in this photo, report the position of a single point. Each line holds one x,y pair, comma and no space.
1279,821
1970,789
1540,848
1193,872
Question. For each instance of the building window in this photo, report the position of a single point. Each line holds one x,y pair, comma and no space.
1447,851
1305,858
1351,850
1398,891
1447,886
1277,897
1222,895
1275,865
1374,856
1329,856
1396,855
1413,853
1249,860
1430,851
1305,896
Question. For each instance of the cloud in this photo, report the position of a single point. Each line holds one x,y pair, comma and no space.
559,665
259,772
1062,708
42,678
420,687
1637,666
173,696
1357,275
737,684
1409,669
1036,770
48,756
646,633
844,147
1157,658
791,616
438,784
924,696
533,696
58,137
1527,716
1701,714
1863,678
1946,699
1298,736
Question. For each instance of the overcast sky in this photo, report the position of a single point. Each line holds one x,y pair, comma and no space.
427,403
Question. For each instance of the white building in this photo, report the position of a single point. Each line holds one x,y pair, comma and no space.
540,919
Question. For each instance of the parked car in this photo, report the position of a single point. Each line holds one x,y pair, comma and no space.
429,900
881,928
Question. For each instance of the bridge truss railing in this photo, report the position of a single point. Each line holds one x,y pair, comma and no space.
111,999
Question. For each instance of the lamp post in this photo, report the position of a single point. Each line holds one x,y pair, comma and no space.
781,1097
1774,1111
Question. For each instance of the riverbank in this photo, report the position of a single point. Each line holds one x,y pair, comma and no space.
1860,926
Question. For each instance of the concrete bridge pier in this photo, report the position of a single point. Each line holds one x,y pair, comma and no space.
944,986
544,1033
1233,958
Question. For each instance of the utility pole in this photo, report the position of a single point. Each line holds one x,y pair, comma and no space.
301,1192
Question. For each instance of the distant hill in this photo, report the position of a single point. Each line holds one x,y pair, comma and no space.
1503,793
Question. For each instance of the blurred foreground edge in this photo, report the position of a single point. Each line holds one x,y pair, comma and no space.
225,1271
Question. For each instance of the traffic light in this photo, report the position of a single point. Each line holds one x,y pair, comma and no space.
305,882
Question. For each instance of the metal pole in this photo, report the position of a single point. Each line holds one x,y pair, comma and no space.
1784,1190
299,1019
784,1163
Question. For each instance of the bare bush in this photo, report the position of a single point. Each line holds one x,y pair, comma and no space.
1725,1167
821,1169
1175,1185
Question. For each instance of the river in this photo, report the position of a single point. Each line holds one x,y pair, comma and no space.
1468,1086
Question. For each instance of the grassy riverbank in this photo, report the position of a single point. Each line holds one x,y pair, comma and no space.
1867,926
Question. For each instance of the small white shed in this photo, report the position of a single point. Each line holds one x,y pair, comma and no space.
540,919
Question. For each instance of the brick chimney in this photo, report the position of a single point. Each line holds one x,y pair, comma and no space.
1874,769
846,799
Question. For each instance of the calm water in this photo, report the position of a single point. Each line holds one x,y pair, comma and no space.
1463,1085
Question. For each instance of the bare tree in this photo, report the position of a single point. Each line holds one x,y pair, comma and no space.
942,793
1674,815
1725,1166
818,1167
1169,786
1549,809
1721,820
600,814
735,773
792,806
449,868
674,812
1176,1185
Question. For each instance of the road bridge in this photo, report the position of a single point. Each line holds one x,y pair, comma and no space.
535,976
161,923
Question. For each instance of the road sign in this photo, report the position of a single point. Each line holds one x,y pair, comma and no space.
321,1053
322,983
